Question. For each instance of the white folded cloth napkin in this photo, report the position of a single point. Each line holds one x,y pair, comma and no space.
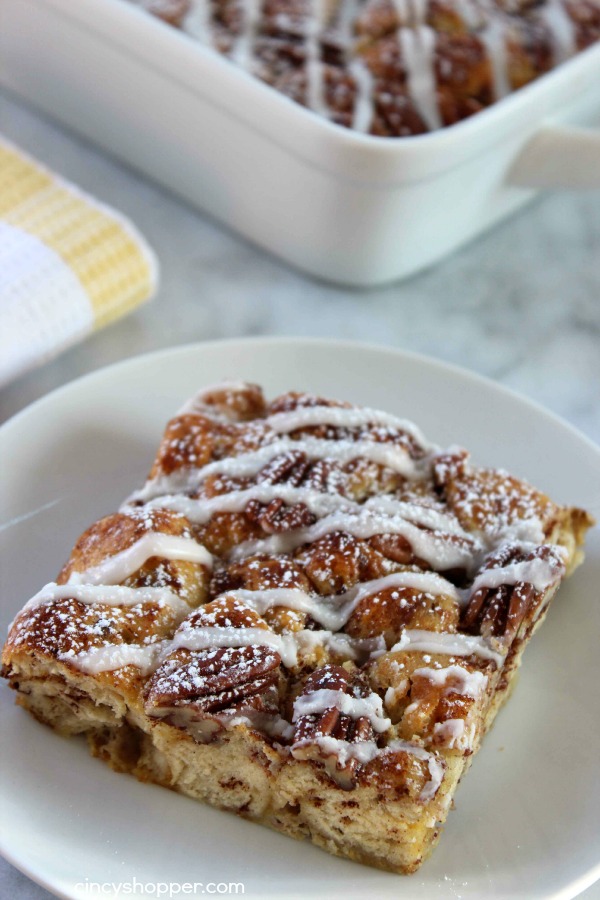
68,264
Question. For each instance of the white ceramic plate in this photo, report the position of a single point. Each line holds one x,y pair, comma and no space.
527,818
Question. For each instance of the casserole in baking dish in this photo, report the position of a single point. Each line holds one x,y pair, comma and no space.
390,67
348,207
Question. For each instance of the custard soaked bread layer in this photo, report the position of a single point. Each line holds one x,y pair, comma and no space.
308,615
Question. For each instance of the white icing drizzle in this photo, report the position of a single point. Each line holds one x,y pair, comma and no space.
318,701
334,611
243,50
365,751
197,21
362,751
343,417
209,637
117,568
379,515
101,583
200,510
525,531
289,646
430,546
420,8
494,35
394,692
345,15
412,12
419,513
562,29
494,39
249,464
351,648
391,455
456,679
291,598
452,732
145,657
538,572
434,764
447,644
469,13
109,595
315,81
271,723
364,107
418,56
436,775
403,11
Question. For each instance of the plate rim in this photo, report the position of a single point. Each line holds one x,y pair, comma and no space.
583,881
332,343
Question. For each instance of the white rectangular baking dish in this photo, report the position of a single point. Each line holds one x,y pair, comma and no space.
346,207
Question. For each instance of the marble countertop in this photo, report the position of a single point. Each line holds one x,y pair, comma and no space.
520,305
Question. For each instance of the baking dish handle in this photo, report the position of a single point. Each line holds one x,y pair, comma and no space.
559,156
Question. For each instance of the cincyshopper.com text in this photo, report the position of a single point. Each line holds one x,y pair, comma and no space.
161,889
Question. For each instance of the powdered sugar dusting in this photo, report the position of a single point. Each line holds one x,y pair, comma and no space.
306,512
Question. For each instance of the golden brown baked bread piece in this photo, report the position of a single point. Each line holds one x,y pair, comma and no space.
390,67
309,615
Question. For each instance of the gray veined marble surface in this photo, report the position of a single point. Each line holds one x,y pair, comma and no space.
521,305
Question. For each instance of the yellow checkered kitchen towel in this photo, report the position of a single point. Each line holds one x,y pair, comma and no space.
68,264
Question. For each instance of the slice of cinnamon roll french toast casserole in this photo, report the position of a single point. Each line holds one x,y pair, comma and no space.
308,615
